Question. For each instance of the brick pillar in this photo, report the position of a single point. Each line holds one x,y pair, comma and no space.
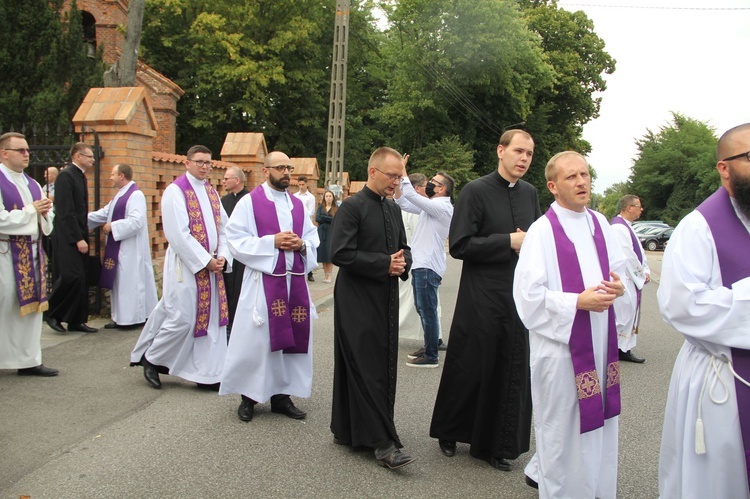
246,150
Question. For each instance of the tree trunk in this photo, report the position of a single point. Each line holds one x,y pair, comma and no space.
122,72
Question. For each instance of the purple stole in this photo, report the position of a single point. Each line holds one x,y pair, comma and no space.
637,249
732,240
203,278
288,311
112,250
593,410
32,296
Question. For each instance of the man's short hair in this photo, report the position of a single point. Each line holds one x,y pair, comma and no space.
448,184
197,149
380,153
301,178
126,171
237,171
508,136
724,144
625,201
417,179
5,138
78,147
550,171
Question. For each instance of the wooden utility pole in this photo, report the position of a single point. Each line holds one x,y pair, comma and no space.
337,108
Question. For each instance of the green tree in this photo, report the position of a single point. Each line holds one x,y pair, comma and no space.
46,71
675,169
608,204
447,155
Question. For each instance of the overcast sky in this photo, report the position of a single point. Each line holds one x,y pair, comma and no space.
686,56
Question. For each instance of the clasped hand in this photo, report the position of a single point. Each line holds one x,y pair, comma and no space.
288,241
398,264
599,298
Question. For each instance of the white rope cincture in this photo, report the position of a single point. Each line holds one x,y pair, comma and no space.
716,365
178,270
257,319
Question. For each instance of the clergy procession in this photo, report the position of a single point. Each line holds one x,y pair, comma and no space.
529,378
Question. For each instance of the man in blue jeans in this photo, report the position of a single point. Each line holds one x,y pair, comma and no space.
428,253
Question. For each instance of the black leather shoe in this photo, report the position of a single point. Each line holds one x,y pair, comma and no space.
341,441
214,387
531,482
246,410
447,447
629,357
500,463
310,277
290,410
83,328
54,324
396,460
111,325
150,373
40,370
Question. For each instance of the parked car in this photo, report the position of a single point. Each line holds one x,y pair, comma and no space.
655,238
642,226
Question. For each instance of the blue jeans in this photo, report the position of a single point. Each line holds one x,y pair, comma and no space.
425,283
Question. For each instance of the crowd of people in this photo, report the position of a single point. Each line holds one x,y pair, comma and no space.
548,303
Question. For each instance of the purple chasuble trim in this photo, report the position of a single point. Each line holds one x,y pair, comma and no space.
112,249
197,226
288,310
592,408
32,294
731,240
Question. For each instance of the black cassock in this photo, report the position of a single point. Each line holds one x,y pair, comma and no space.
484,397
233,279
69,300
365,232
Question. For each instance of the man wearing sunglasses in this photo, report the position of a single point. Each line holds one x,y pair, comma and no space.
704,293
186,333
270,350
25,214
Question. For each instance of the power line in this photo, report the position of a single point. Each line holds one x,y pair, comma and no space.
651,7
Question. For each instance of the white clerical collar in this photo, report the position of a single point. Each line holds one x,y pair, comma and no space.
511,184
194,180
567,214
82,170
125,187
12,174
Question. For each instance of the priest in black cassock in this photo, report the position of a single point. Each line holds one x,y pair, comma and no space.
484,398
69,300
368,243
234,183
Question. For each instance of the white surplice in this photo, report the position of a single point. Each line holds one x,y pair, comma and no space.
20,337
168,337
713,319
251,368
567,463
634,279
409,323
134,289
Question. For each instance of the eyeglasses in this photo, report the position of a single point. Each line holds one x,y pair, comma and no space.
636,206
281,168
202,163
746,155
22,150
391,176
86,155
434,181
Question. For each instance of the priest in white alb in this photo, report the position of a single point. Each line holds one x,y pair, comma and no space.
270,349
25,214
565,284
185,335
704,293
127,269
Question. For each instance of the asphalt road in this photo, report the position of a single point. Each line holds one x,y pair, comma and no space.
98,430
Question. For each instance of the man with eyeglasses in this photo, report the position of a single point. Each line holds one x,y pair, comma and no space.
270,350
638,275
484,398
704,293
185,335
308,200
69,301
25,214
234,183
127,269
368,243
428,251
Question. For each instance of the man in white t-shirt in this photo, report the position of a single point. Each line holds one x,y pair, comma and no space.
308,201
